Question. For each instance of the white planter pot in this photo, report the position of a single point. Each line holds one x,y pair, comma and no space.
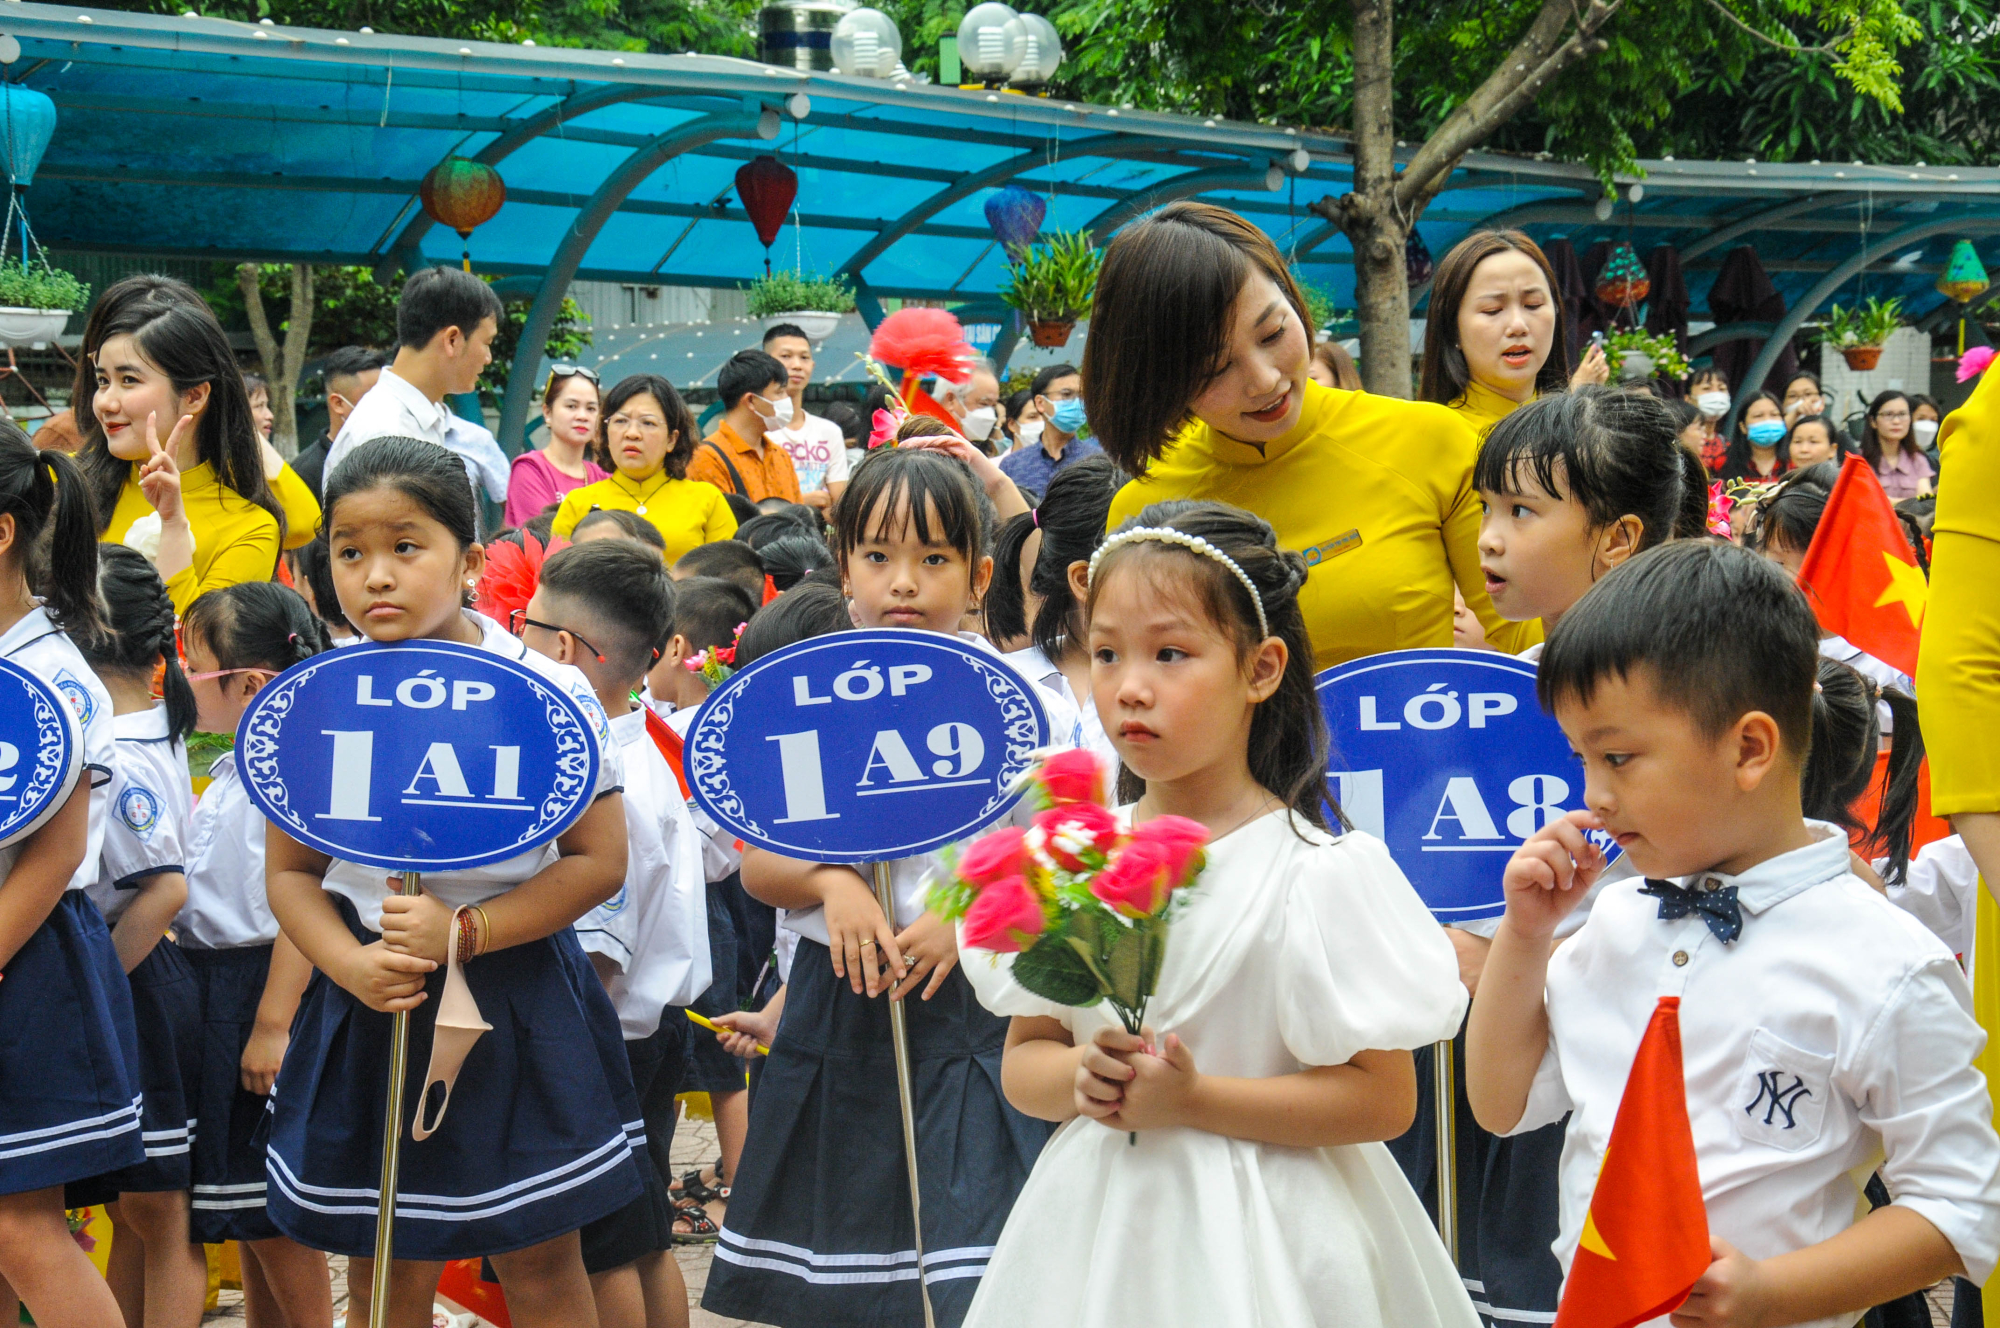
816,324
1635,364
30,327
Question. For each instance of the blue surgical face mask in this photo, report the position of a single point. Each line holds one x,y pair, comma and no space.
1068,416
1767,433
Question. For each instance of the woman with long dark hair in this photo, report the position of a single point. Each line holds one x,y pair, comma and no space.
169,440
1496,337
1888,443
1196,378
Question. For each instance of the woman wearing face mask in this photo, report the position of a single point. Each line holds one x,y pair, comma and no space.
1024,423
1709,391
1889,444
1803,396
651,435
1496,338
1375,492
1925,417
1758,452
541,477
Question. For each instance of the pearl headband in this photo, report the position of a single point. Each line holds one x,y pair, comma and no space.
1192,543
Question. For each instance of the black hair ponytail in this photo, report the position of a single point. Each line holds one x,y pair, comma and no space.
1006,607
256,625
1072,517
1288,733
1896,819
1840,764
141,631
1691,522
43,492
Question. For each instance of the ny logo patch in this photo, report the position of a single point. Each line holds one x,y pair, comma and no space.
1783,1098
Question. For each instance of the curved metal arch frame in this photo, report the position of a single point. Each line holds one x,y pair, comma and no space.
569,255
1795,317
1270,180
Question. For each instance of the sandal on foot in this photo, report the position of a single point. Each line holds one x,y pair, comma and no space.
693,1187
701,1227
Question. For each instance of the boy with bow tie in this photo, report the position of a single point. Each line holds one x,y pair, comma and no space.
1823,1030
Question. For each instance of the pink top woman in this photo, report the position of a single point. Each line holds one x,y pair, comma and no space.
540,478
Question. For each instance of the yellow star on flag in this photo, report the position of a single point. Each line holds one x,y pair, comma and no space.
1907,586
1593,1241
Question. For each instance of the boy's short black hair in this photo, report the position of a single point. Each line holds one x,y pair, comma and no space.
708,610
435,298
748,371
625,590
1719,630
350,362
1049,375
731,559
630,525
741,508
772,333
798,615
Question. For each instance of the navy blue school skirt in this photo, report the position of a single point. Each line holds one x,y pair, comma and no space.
228,1189
166,1012
646,1225
819,1230
70,1099
538,1141
710,1069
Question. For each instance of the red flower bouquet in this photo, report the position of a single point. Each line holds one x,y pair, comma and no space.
1080,901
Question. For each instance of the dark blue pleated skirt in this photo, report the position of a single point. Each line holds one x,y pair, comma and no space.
710,1069
538,1140
819,1230
227,1202
166,1012
70,1099
646,1225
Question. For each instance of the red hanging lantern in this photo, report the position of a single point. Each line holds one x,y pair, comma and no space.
767,187
462,193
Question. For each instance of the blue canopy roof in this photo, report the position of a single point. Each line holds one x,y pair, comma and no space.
208,138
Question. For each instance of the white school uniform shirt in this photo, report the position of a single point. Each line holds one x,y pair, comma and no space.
656,927
151,803
1885,675
818,450
486,466
227,908
44,649
910,878
1034,664
1941,891
367,887
393,408
721,850
1835,1031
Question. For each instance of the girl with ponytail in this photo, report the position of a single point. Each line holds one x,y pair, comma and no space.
69,1096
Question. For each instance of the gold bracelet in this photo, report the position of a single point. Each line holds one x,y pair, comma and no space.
485,931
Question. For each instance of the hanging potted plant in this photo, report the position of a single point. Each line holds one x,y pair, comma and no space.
813,304
1640,354
1051,283
35,301
1860,333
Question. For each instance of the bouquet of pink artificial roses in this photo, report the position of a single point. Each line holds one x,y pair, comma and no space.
1080,901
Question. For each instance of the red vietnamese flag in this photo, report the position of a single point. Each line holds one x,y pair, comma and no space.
1645,1238
1862,579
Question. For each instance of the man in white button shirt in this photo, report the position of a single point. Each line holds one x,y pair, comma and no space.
817,446
1823,1030
446,320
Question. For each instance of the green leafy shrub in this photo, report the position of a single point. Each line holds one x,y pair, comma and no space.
1053,281
41,287
790,293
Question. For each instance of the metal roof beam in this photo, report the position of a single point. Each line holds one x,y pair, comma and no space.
1271,179
1806,306
1761,220
576,241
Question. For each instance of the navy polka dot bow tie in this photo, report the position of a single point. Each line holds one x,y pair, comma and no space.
1718,907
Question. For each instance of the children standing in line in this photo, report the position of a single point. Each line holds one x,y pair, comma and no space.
1685,681
249,977
819,1228
605,607
69,1093
158,1276
1299,975
538,1140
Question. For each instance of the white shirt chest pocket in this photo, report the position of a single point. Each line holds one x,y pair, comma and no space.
1781,1098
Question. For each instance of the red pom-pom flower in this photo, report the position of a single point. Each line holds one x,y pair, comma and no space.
924,342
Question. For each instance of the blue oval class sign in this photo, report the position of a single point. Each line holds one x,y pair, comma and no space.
1447,757
865,746
419,756
41,752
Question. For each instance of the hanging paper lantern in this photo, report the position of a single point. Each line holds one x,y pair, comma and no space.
28,119
1964,275
1015,214
462,193
1623,280
767,187
1417,262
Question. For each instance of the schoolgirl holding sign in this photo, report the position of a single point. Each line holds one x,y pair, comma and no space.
539,1139
69,1096
818,1230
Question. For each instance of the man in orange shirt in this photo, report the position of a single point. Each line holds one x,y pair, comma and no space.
737,458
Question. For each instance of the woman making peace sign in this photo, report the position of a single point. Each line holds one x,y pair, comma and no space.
167,432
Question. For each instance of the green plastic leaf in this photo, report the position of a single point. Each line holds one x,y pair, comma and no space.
1053,970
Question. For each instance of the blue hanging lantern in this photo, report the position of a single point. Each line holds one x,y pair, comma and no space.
27,122
1417,264
1015,214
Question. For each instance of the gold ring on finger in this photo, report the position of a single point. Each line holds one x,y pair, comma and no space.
869,941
